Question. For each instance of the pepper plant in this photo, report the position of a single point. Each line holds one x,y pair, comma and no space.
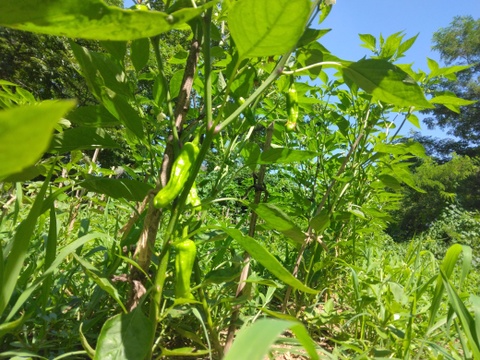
297,162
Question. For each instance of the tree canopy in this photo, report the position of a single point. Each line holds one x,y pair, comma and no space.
459,44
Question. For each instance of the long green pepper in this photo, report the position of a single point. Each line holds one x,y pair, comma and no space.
180,172
184,261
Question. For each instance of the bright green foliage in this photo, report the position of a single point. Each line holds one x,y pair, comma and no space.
25,133
90,19
267,28
459,46
443,184
291,224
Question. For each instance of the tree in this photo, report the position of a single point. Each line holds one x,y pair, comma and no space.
459,44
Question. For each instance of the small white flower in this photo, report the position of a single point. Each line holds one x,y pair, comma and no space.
330,2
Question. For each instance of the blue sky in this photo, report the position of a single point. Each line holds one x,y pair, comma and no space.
349,18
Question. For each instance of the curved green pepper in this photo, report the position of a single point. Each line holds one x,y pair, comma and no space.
292,107
184,260
180,172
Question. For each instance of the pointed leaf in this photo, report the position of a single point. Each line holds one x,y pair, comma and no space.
285,156
25,133
81,139
140,53
265,257
268,27
101,281
387,82
278,220
127,189
91,19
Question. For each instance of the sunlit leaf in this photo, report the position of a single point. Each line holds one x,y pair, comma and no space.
285,155
25,133
254,342
387,82
265,257
91,19
277,219
268,27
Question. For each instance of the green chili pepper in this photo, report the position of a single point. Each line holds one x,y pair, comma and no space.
180,172
184,260
292,107
193,198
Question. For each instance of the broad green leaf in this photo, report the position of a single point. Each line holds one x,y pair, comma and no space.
119,107
451,102
251,152
101,281
140,53
127,189
413,148
92,116
25,133
387,82
101,72
321,221
311,35
285,156
265,257
91,19
125,336
268,27
277,219
81,138
254,342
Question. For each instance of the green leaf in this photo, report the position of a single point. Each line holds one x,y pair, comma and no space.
268,27
265,257
285,156
321,221
92,116
101,72
101,281
447,267
251,152
254,342
81,138
9,327
119,107
13,260
91,19
25,133
387,82
140,53
61,255
467,321
413,148
311,35
125,336
127,189
369,41
278,220
451,102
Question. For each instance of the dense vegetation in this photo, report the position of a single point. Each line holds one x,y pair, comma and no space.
294,219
